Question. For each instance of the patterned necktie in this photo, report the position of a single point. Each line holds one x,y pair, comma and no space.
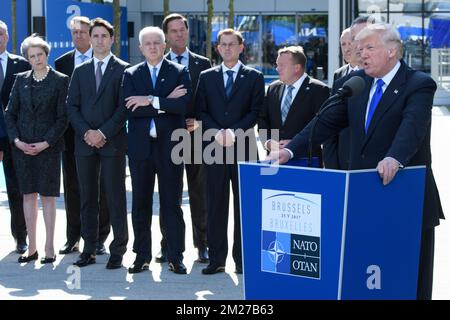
286,103
179,58
98,74
374,102
2,76
229,85
82,57
154,77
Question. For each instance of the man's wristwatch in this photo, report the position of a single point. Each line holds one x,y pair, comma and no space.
150,99
16,140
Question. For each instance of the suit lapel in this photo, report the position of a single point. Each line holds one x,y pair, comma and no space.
146,77
279,91
359,103
106,76
240,78
162,74
300,98
11,67
27,90
219,82
388,98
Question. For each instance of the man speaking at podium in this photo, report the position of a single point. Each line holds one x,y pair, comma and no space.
390,124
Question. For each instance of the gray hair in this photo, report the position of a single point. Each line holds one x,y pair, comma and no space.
155,30
80,20
34,41
389,35
4,26
345,31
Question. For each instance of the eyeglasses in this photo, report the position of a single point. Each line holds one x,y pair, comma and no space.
228,45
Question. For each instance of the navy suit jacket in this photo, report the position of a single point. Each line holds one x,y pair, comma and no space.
88,109
240,111
137,82
400,128
305,105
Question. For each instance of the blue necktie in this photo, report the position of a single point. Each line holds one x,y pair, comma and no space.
82,57
154,77
374,102
179,58
229,85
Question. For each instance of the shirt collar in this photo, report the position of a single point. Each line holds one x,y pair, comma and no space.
351,68
158,66
297,84
236,67
4,56
105,60
88,53
390,75
185,54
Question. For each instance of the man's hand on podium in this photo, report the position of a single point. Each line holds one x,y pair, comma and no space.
279,157
387,168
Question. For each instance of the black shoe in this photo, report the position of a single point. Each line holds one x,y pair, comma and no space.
21,247
114,262
24,259
161,258
203,256
69,247
48,260
138,266
177,267
85,260
238,270
213,268
100,249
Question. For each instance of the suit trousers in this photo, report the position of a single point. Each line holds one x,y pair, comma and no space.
196,180
72,195
15,199
170,186
426,264
111,171
218,177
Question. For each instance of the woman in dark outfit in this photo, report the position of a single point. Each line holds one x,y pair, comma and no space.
36,120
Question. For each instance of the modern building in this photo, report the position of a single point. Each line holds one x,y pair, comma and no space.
267,25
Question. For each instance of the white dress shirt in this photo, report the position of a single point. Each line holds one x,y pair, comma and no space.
77,59
185,61
4,59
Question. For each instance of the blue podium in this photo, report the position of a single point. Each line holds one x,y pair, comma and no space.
328,234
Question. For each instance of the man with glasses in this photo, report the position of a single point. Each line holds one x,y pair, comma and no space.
229,98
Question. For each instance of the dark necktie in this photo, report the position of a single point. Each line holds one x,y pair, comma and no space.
229,85
179,58
98,74
286,103
374,102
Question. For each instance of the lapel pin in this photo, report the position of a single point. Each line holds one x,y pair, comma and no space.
26,86
395,91
307,88
196,62
242,75
162,80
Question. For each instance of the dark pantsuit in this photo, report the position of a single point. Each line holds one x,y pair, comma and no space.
425,281
15,199
72,195
218,178
170,183
113,178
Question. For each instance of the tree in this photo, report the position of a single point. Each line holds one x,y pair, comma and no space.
231,14
116,22
166,7
14,25
209,29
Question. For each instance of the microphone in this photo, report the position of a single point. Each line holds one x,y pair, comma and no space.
352,87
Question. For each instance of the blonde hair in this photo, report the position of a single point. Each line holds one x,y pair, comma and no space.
388,33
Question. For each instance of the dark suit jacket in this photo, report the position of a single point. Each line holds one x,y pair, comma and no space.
197,64
88,109
400,128
16,64
240,111
304,107
47,120
341,72
137,82
66,63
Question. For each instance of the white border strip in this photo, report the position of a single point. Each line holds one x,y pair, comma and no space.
242,234
344,227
